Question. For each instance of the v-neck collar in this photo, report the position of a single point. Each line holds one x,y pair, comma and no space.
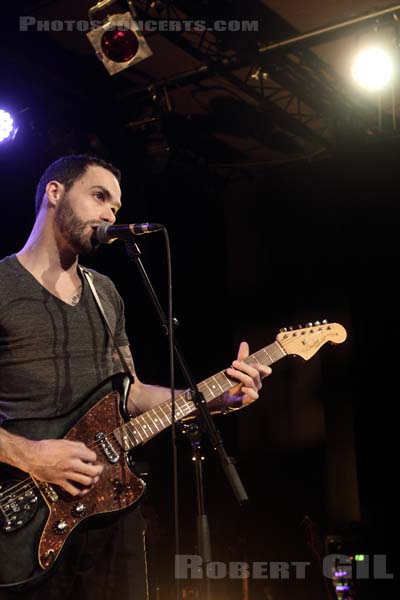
20,266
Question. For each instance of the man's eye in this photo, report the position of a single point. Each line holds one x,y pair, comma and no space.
99,195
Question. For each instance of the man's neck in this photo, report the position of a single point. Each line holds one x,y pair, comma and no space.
38,260
42,254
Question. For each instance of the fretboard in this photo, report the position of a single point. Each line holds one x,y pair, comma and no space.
141,429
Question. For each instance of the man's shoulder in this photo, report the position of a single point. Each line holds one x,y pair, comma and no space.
7,262
8,267
11,279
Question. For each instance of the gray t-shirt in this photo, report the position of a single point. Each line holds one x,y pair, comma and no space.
52,354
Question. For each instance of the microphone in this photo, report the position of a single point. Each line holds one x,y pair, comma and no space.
107,233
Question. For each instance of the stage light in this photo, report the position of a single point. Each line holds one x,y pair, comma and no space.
8,127
118,43
372,69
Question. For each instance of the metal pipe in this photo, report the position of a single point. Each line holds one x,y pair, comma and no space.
100,6
328,29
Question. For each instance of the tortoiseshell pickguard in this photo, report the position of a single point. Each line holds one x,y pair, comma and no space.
116,489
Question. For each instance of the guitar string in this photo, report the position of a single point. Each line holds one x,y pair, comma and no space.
14,490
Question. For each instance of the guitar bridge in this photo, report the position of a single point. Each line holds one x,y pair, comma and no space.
105,444
19,507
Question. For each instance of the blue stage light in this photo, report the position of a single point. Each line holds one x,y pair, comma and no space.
8,127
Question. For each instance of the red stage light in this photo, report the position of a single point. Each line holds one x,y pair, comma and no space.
120,46
119,43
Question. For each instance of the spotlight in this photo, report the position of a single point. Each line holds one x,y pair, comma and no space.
8,128
372,68
118,43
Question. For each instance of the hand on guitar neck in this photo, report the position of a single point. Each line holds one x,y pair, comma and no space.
250,377
144,397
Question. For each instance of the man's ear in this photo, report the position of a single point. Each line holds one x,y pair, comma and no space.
54,192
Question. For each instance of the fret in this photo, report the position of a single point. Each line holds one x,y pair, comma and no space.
149,426
280,349
230,382
155,421
177,409
160,416
268,356
202,388
186,406
121,438
178,406
276,350
191,408
145,432
224,381
126,431
146,426
137,425
208,390
166,416
214,378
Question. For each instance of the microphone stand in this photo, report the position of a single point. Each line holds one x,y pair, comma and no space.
194,433
196,396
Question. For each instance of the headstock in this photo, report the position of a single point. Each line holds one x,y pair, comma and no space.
306,341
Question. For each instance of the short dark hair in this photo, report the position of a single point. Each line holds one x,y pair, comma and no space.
67,170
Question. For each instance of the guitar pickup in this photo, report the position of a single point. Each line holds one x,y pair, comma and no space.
48,491
105,444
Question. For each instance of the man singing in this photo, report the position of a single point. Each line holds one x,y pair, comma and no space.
54,349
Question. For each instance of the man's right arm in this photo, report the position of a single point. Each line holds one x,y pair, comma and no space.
63,462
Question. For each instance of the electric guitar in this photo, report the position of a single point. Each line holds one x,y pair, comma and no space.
38,518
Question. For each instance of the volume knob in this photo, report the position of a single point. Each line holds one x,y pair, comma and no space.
79,509
61,527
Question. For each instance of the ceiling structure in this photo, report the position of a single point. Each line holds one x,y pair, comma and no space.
231,98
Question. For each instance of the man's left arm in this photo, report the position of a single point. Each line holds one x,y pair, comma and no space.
143,397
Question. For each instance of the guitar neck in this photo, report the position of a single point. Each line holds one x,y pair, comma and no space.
143,428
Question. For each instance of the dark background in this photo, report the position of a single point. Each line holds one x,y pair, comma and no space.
253,250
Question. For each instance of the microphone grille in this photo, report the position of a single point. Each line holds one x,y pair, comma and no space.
101,233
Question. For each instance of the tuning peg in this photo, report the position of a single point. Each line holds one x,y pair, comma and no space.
299,326
291,328
325,322
317,323
309,325
283,329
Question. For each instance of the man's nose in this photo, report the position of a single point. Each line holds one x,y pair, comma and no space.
108,215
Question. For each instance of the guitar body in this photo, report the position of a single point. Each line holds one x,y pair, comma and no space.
37,519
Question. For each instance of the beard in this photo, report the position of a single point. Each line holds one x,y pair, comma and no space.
74,230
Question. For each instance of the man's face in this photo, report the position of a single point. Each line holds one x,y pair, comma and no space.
93,199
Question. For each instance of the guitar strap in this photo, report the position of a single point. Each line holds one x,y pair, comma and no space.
89,278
